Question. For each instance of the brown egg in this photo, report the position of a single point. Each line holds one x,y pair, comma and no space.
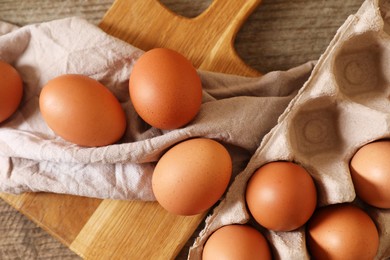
370,172
82,111
191,176
342,231
281,196
11,90
165,89
234,242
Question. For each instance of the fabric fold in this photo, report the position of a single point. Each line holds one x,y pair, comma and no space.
236,111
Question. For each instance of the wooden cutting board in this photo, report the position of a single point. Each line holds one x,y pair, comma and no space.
108,229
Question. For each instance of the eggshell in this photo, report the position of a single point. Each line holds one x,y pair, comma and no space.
233,242
82,111
370,172
191,176
11,90
281,196
165,89
342,231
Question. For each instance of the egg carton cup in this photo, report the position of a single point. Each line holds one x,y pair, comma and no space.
343,105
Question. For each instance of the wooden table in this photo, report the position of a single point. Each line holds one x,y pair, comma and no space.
274,37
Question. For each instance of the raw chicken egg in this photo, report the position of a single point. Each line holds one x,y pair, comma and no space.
370,172
234,242
191,176
342,231
11,90
81,110
281,196
165,89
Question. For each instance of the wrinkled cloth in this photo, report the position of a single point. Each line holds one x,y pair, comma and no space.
236,111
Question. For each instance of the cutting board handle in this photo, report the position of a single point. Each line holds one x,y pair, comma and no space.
207,40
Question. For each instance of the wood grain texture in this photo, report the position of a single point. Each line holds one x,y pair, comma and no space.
23,239
22,12
207,39
135,230
279,34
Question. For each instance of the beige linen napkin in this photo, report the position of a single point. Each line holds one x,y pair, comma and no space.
237,111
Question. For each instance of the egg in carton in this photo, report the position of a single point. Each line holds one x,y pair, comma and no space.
343,106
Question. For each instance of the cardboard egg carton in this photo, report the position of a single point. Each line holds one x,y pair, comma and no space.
344,105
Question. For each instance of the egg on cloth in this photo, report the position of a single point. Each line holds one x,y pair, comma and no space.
192,176
81,110
11,90
165,89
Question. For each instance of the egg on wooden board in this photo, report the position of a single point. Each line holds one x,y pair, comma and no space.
11,90
370,172
281,196
81,110
165,89
342,231
234,242
192,176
